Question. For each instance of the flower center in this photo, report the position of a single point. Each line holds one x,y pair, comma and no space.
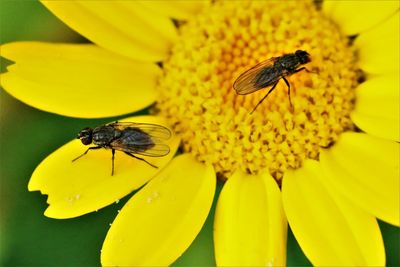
230,37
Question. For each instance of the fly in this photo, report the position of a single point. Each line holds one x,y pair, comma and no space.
131,138
269,73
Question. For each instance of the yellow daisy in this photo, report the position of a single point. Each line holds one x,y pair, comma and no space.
329,167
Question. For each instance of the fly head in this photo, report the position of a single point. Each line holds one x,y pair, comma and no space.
85,136
303,56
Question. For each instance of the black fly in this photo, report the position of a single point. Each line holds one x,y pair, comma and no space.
269,73
132,138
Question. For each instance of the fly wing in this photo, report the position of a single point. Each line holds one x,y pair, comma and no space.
155,131
142,138
260,76
157,150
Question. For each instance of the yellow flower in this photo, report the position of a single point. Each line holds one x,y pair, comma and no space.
329,166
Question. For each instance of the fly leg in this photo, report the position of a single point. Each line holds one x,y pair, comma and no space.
112,161
270,90
90,148
304,68
130,154
288,86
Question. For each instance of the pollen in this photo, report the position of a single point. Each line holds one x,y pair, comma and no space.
230,37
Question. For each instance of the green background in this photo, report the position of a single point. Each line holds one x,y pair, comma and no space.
29,135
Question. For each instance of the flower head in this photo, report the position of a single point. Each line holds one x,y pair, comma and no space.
327,165
214,121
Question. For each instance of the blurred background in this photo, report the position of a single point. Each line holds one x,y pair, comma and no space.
28,135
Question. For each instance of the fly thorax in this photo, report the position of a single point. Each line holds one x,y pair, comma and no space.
103,136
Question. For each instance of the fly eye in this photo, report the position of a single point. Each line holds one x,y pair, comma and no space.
86,140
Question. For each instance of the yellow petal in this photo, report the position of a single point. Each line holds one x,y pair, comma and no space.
78,80
124,27
250,227
366,170
177,9
357,16
377,126
159,222
379,47
330,230
86,185
377,109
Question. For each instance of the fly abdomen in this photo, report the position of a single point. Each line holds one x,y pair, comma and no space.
266,77
137,138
